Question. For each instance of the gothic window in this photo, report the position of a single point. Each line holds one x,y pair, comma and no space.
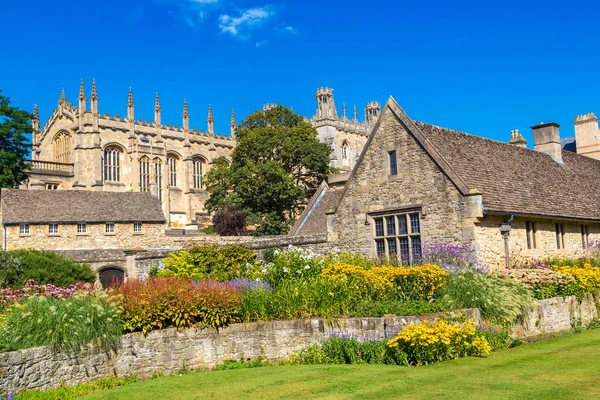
144,174
197,173
345,158
172,164
62,147
399,235
112,164
158,174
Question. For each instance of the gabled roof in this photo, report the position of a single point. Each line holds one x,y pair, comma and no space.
72,206
510,179
313,219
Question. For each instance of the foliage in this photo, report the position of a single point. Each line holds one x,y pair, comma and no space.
171,302
499,298
246,285
350,350
290,264
242,364
429,343
529,263
350,258
498,337
14,145
545,283
62,322
211,262
277,164
451,256
65,392
48,267
229,220
368,307
586,277
293,299
408,283
9,297
11,269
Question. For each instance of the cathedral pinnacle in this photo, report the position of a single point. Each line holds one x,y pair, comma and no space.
94,93
344,109
36,113
157,103
232,117
355,118
81,91
185,110
63,98
130,102
210,114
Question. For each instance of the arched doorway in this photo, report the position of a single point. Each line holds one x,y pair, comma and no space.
111,276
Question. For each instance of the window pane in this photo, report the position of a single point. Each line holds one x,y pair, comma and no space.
402,227
393,163
404,253
378,226
391,226
414,223
380,247
392,250
416,249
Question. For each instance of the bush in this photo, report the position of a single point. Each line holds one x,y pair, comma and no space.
293,299
499,298
369,308
451,256
350,258
229,221
349,350
48,267
429,343
9,297
62,322
170,302
291,264
586,277
545,283
406,283
211,262
11,269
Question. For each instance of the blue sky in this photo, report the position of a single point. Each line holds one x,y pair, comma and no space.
476,66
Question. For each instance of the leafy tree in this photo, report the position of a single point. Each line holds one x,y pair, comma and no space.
277,164
14,146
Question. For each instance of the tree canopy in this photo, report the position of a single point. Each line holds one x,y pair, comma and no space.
14,144
277,164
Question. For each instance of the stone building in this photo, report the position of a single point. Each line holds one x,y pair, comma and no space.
346,136
79,148
415,183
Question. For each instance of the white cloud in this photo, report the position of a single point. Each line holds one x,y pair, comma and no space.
236,25
261,43
290,29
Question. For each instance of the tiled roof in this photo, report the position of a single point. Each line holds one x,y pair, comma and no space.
519,180
72,206
314,219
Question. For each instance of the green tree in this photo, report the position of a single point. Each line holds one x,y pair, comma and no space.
277,164
14,145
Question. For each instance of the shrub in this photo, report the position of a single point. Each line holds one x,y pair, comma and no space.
11,296
350,350
350,258
293,299
170,302
246,285
211,262
407,283
546,283
367,307
229,221
11,269
49,267
497,336
451,256
586,277
499,298
65,392
290,264
429,343
62,322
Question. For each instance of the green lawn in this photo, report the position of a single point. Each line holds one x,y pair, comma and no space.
567,367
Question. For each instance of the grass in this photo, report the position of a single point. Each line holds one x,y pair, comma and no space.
562,368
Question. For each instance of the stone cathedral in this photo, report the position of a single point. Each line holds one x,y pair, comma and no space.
80,149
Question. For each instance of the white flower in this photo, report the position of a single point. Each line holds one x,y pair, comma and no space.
307,267
285,269
264,271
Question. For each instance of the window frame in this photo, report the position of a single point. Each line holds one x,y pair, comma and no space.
405,232
108,231
157,166
559,229
51,231
392,171
172,162
24,229
82,228
139,231
197,173
531,234
112,164
145,174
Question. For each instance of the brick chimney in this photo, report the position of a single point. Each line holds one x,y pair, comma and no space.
546,139
517,139
586,135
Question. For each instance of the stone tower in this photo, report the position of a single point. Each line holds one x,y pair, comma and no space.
586,135
325,104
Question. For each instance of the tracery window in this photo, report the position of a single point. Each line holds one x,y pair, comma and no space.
172,164
112,164
144,174
345,160
62,147
197,173
158,175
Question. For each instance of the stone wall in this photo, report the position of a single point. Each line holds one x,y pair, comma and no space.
168,351
491,244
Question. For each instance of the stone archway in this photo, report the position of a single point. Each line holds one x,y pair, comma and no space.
111,276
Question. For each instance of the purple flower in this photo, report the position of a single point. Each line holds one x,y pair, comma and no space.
247,285
452,256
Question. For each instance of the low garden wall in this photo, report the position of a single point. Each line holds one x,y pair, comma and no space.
169,351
